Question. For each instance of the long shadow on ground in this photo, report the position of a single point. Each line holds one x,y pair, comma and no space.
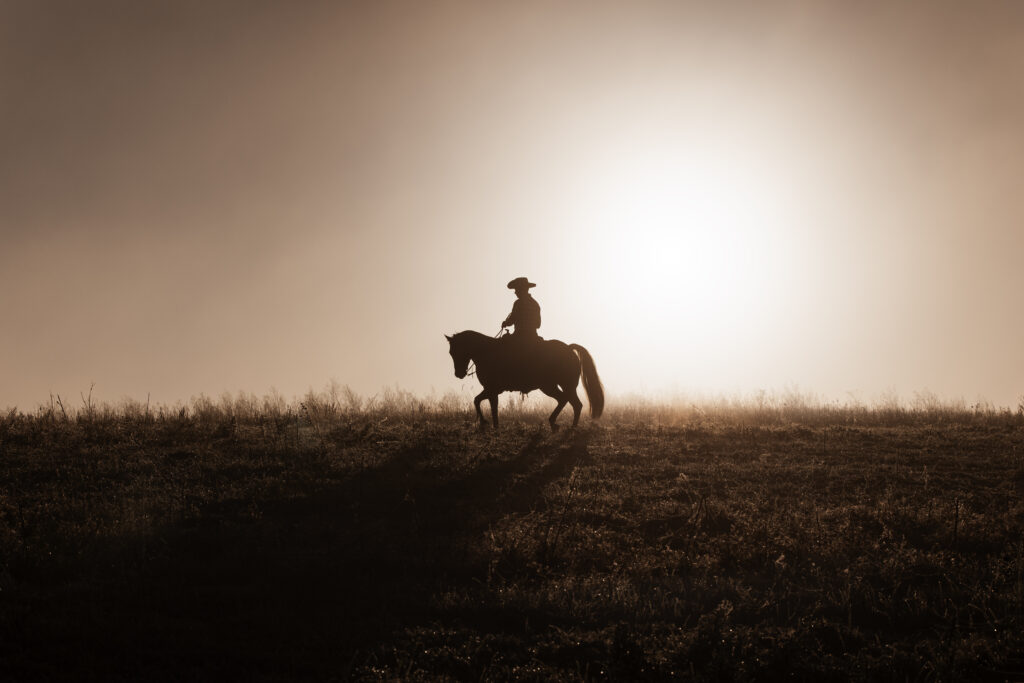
288,587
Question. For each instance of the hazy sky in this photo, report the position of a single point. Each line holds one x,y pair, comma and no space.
713,198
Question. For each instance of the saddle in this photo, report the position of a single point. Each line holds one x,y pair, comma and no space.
522,337
523,353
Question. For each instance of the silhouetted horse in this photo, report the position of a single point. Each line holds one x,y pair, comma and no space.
516,365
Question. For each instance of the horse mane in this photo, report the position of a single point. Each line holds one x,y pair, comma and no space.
472,335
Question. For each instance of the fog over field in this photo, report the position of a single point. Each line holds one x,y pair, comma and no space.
714,198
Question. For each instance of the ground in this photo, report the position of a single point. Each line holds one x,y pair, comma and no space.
401,542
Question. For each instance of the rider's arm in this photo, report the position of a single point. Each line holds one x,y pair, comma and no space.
511,319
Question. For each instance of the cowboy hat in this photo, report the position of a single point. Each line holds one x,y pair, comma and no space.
519,283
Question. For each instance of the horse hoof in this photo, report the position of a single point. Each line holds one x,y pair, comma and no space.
554,428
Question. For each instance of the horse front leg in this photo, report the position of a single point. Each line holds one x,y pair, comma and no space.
479,413
493,398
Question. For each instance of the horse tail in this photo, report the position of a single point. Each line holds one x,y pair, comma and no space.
591,382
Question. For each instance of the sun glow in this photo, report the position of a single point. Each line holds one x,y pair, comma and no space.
697,242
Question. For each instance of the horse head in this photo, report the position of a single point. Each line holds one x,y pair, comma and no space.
459,354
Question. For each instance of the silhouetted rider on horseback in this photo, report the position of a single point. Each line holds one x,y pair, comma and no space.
522,361
525,315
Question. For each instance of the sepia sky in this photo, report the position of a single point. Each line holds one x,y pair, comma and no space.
713,198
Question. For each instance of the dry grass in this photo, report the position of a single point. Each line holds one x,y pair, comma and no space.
388,538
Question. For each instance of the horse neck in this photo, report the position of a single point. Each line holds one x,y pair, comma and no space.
477,343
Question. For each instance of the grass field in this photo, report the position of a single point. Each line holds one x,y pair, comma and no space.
343,539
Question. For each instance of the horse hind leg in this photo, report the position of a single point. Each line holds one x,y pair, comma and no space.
577,405
559,396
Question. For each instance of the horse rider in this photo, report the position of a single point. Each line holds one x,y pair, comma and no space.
525,315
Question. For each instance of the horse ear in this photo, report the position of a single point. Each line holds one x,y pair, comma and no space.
448,337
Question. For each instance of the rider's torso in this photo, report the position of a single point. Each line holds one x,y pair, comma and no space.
525,315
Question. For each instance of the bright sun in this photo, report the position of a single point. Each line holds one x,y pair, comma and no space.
694,239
